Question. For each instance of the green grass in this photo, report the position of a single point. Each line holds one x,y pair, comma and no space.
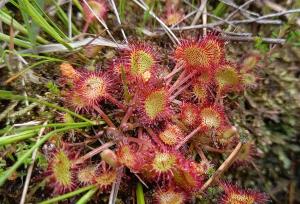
29,132
21,43
220,10
5,95
87,196
7,19
121,8
68,195
140,198
41,19
4,176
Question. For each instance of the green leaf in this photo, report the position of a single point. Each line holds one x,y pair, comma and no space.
53,88
140,199
220,10
260,45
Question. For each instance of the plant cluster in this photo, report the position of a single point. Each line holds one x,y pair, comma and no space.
158,119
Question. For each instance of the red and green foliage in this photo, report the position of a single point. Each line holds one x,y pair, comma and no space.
236,195
157,124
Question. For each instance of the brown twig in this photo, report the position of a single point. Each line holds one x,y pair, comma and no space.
238,9
199,12
212,149
250,39
277,7
218,23
225,165
260,19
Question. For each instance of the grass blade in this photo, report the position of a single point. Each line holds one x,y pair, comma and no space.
17,41
40,20
140,199
51,23
28,68
34,127
17,137
28,153
7,19
64,18
7,95
29,132
67,195
121,8
86,197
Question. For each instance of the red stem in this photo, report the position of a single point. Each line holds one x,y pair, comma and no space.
182,75
116,102
201,153
86,25
176,69
189,136
180,91
94,152
140,132
154,136
181,81
129,111
104,117
126,117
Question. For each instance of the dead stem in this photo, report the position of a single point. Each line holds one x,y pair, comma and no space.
199,12
30,168
225,165
212,149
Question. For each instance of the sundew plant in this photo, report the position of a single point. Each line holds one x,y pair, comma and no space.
145,121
